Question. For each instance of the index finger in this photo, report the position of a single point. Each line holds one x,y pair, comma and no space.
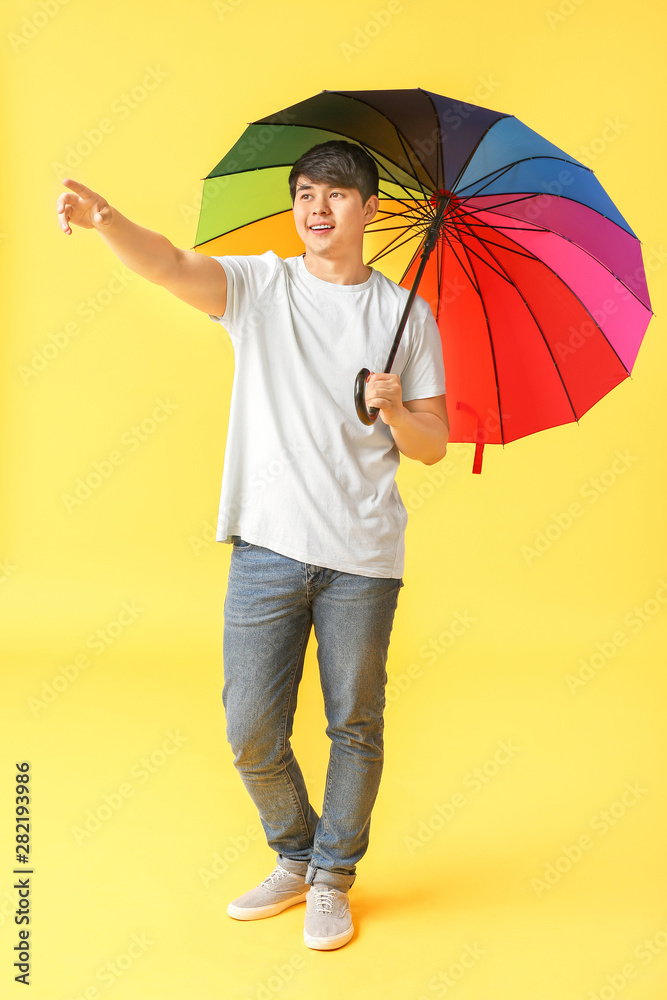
77,187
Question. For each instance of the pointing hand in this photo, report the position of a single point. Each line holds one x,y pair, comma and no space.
82,207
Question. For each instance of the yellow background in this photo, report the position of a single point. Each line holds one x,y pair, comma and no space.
457,864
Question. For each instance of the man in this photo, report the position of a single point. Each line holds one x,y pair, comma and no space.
310,505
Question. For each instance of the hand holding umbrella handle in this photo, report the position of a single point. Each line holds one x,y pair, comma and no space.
367,415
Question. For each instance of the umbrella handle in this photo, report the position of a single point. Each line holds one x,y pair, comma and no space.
367,415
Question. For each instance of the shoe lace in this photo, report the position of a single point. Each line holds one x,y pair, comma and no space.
275,876
324,900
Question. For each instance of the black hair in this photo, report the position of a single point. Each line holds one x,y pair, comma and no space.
337,162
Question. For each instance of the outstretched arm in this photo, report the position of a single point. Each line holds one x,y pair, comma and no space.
195,278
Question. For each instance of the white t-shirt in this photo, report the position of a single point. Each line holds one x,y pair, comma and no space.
302,475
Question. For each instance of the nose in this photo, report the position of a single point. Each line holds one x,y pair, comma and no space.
320,205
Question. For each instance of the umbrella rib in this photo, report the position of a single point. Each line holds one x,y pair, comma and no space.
414,171
491,346
382,114
473,209
439,265
412,260
440,163
537,324
471,153
392,223
375,156
389,217
471,250
471,276
388,229
565,197
519,251
412,212
494,175
514,229
410,203
474,213
476,209
262,218
389,248
409,193
439,166
543,229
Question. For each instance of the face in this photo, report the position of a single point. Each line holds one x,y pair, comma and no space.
331,219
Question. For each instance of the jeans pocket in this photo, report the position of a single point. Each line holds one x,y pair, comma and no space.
240,544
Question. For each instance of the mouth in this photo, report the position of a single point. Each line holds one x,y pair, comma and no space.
321,228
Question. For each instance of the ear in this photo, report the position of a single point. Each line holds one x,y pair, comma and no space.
371,208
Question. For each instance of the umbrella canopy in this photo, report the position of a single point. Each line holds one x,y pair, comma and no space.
536,280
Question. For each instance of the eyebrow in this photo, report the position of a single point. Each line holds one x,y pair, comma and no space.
332,187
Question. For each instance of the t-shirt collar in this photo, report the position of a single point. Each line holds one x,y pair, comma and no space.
332,286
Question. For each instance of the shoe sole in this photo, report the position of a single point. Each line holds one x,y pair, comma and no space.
258,912
328,943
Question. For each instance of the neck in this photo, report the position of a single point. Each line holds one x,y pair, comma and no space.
340,271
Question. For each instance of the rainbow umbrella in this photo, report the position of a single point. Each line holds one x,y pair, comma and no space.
534,277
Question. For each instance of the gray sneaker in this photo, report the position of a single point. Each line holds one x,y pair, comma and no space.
328,922
279,890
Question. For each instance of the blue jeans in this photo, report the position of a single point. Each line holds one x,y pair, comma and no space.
271,604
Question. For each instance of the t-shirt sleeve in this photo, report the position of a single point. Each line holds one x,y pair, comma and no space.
424,373
247,280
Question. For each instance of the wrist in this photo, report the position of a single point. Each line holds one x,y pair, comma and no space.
108,216
400,419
